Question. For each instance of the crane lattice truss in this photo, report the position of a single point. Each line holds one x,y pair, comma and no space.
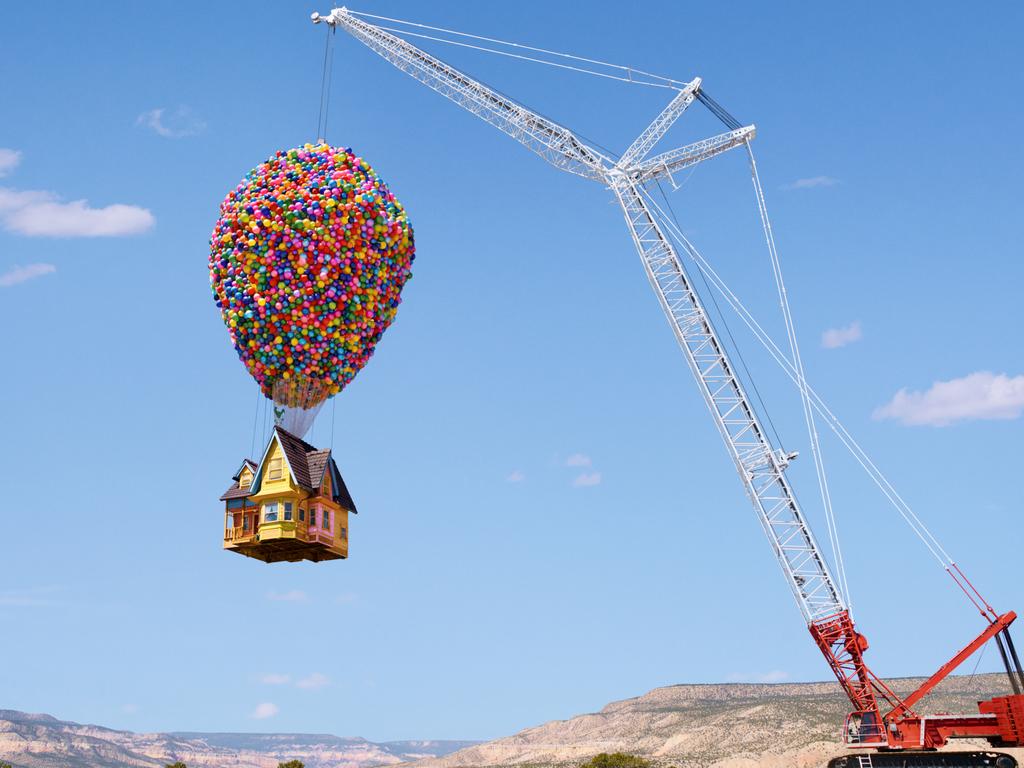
761,465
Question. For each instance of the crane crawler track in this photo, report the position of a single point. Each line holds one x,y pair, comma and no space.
980,759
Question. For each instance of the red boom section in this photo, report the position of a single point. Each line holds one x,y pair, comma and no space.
1000,720
994,628
843,647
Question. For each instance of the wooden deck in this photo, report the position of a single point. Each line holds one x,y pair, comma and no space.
305,545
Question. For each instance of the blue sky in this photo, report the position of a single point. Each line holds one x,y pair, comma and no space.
548,519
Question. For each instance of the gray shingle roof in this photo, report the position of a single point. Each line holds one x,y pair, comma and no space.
308,465
296,449
234,492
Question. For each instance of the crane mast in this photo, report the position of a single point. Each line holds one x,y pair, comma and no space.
760,464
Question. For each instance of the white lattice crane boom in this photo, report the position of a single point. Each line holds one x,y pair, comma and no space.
760,464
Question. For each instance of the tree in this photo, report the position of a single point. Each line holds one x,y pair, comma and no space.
5,765
616,760
175,764
291,764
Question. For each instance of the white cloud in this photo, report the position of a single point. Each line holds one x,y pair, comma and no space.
812,182
264,710
174,124
587,479
291,596
275,679
38,213
578,460
980,395
314,681
9,159
516,476
834,338
16,274
41,213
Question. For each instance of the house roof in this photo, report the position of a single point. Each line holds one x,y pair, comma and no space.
296,450
236,492
317,461
341,493
308,464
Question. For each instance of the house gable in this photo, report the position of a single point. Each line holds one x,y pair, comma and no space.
245,476
274,473
246,464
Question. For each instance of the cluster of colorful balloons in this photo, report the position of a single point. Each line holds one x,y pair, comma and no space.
307,264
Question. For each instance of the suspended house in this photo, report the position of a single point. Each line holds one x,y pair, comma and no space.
293,505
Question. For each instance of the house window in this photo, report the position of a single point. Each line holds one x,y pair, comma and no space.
302,514
327,520
245,522
344,533
287,510
275,469
312,517
270,512
245,479
327,484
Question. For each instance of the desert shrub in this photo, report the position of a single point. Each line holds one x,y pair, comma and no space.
291,764
175,764
616,760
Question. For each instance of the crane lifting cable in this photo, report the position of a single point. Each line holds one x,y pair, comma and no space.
628,74
915,523
798,366
718,110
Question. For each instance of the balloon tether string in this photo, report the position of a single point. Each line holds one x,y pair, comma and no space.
325,87
334,409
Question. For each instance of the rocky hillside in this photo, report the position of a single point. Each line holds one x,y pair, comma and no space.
726,726
690,726
41,741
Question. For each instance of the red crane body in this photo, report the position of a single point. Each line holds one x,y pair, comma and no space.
1000,719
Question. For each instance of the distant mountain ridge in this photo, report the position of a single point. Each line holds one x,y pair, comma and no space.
735,725
42,741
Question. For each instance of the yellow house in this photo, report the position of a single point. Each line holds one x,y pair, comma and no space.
293,505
